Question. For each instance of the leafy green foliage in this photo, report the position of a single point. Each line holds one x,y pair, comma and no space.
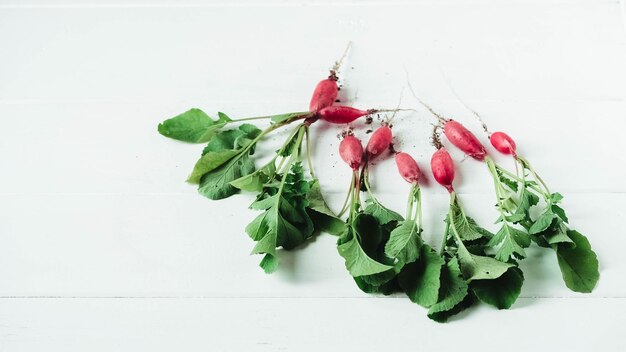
387,288
501,292
579,264
493,281
452,293
576,259
210,161
549,229
478,267
559,212
350,246
473,267
404,242
223,147
527,200
420,278
465,226
324,218
216,184
379,279
269,263
254,182
511,184
193,126
382,214
383,252
512,243
542,222
556,198
284,221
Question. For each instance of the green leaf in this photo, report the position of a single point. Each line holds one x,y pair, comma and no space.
559,212
224,140
542,223
386,288
556,197
377,280
323,218
579,265
316,199
223,147
452,292
289,147
193,126
217,184
371,235
237,138
404,242
209,162
557,234
269,263
442,317
279,232
254,182
527,200
515,218
512,242
501,292
326,223
477,267
466,227
420,279
284,221
249,130
382,214
357,261
510,183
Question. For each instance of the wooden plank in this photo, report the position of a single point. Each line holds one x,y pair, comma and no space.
304,324
104,247
539,52
159,245
115,148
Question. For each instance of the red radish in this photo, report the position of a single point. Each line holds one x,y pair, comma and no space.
325,94
503,143
379,141
408,168
351,151
342,114
443,168
465,140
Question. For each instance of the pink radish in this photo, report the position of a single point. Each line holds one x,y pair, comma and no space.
408,168
351,151
463,139
443,168
342,114
503,143
325,94
379,141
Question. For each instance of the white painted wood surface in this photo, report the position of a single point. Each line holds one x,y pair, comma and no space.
103,247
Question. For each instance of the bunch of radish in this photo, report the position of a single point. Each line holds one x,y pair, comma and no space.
293,209
384,251
516,193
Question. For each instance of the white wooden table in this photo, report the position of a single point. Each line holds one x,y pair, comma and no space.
103,247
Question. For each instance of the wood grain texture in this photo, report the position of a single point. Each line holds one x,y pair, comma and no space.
104,247
303,324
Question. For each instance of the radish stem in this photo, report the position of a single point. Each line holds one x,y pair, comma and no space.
308,151
344,207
